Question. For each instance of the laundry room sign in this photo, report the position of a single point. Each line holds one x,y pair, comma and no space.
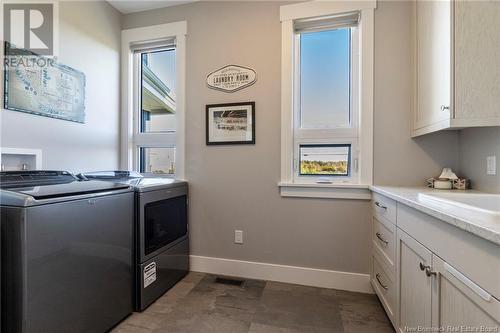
231,78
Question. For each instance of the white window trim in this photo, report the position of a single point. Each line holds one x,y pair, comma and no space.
288,13
129,139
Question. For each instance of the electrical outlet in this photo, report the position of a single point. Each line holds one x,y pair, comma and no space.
238,237
491,165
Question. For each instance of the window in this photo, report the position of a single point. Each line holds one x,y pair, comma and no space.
158,91
325,160
325,77
155,111
154,92
157,160
327,92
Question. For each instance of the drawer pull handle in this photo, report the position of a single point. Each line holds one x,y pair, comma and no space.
465,280
379,205
377,276
381,239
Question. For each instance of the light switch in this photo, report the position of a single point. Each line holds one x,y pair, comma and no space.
238,236
491,165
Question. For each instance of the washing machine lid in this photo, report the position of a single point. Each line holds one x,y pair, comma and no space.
112,175
68,189
140,182
41,185
12,179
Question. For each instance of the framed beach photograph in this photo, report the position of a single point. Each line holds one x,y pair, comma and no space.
229,124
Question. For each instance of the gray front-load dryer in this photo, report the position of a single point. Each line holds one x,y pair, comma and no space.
66,253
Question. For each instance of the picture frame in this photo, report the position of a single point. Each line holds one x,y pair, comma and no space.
38,90
230,124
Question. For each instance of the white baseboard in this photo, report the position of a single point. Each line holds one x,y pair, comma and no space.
281,273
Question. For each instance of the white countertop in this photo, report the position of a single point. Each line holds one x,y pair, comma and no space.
457,216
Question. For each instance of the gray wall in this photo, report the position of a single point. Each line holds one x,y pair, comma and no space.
90,37
400,160
475,145
235,187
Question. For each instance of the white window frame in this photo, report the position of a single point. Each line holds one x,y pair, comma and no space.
131,138
360,136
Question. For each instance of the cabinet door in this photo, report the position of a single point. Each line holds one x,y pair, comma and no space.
477,49
433,61
458,301
414,286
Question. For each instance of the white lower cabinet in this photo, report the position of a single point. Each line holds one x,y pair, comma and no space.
459,302
441,279
414,286
433,294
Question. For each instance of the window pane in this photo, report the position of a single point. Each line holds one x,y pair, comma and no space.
325,79
326,160
157,160
158,91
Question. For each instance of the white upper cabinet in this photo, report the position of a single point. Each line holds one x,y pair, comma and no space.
457,69
433,62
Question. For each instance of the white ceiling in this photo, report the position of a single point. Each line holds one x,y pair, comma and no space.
132,6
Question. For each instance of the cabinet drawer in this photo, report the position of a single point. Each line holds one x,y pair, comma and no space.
384,239
384,207
385,287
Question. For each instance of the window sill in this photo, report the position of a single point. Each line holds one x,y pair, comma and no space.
330,191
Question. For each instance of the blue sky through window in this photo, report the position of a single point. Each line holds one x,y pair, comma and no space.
325,78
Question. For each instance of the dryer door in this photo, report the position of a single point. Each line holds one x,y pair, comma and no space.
162,220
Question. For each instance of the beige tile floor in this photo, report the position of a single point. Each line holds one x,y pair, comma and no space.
198,304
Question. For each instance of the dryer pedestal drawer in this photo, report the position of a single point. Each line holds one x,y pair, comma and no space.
161,273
